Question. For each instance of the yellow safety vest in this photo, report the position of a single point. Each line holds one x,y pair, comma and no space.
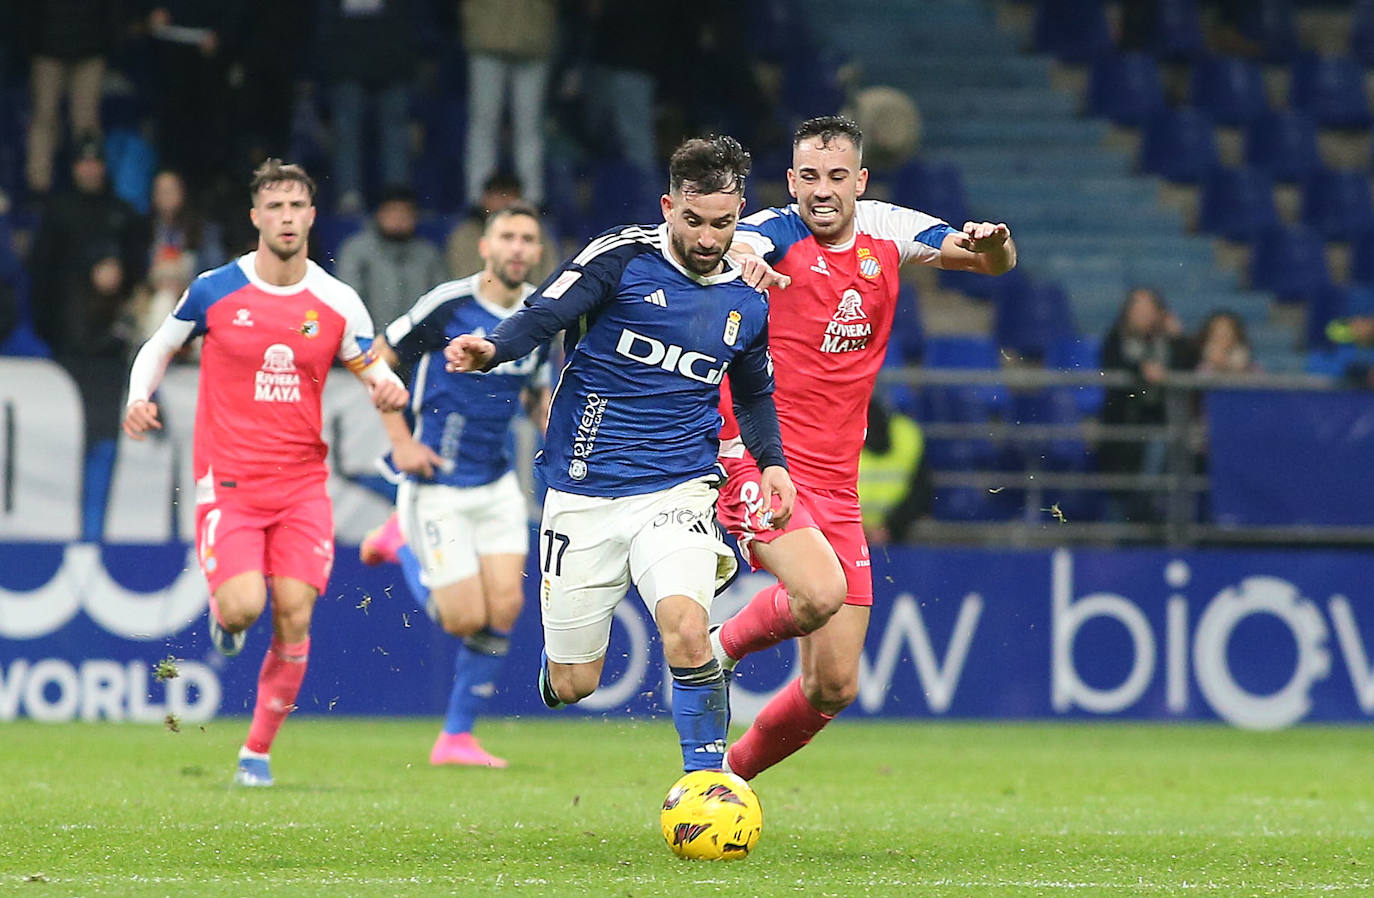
883,478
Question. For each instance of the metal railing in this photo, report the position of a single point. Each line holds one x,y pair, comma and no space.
1178,487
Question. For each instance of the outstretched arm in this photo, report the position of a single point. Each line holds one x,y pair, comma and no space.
981,247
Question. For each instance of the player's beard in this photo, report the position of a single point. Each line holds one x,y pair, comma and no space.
286,253
512,274
692,262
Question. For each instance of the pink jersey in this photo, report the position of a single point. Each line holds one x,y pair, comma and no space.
267,353
828,331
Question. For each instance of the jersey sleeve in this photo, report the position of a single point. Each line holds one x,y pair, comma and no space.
573,291
751,390
771,232
358,334
194,306
421,330
917,235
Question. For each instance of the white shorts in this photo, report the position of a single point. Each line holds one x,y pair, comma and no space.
591,549
449,527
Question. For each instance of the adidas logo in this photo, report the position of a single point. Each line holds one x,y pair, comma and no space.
820,267
657,298
716,747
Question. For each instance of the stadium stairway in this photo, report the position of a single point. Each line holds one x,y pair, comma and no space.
1081,214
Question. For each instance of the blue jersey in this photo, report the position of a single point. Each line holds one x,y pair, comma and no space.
647,345
464,418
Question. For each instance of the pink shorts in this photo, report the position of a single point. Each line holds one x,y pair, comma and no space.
835,513
296,541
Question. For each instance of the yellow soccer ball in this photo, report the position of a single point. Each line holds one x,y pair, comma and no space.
711,816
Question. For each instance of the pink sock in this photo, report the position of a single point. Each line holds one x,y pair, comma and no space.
784,725
766,621
279,682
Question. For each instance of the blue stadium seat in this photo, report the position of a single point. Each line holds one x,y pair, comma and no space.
1228,89
436,228
937,189
1331,90
1285,145
1029,316
1338,204
1125,88
1289,262
1073,31
1362,32
1270,24
1180,145
1178,30
1326,303
621,194
908,330
1362,257
1079,354
328,234
1237,203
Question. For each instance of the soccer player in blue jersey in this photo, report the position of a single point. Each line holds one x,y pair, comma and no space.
655,317
462,513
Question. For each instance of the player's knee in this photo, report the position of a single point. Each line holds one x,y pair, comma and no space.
686,643
817,601
831,695
461,611
504,608
572,684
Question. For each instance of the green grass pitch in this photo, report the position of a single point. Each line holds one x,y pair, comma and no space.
911,809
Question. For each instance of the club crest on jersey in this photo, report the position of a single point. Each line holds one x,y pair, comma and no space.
732,328
849,328
869,266
310,327
277,379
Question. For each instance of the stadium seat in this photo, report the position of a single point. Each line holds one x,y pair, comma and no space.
908,330
1362,257
1178,31
1126,88
1180,145
1290,262
1270,24
621,194
1228,89
436,228
1325,304
1283,144
1362,32
1073,31
1331,90
328,234
1079,354
1237,203
1030,316
937,189
1338,204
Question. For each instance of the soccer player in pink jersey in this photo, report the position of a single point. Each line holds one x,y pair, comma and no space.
273,323
828,332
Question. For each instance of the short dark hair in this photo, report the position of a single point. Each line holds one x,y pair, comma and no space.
507,211
714,164
398,193
828,127
274,171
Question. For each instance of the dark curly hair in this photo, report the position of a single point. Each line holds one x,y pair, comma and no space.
828,127
714,164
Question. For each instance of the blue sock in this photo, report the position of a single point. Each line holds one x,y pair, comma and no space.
479,660
701,713
410,568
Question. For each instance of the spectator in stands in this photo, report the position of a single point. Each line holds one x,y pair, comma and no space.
1223,347
501,191
1145,342
895,488
367,51
510,44
628,43
193,42
1350,360
184,244
387,262
68,42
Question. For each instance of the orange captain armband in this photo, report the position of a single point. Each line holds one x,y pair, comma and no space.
360,363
